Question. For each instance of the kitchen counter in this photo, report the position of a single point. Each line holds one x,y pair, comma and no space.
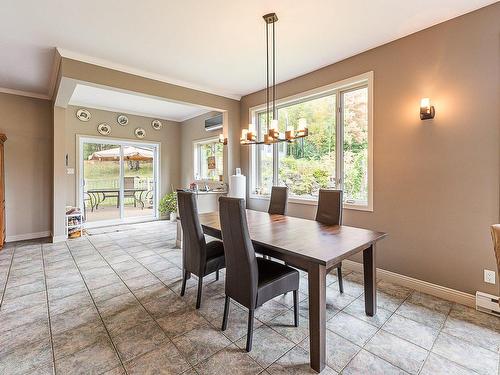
211,192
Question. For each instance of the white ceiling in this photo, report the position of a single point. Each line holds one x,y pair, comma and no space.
217,46
136,104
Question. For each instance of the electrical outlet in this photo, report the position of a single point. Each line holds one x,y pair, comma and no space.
489,276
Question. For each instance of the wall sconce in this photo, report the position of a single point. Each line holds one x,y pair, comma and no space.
427,111
222,139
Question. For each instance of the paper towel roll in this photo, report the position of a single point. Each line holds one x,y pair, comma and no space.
238,186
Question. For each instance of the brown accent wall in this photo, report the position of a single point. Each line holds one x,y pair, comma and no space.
436,183
27,122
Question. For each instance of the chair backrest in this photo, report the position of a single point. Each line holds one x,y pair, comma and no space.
330,207
193,240
242,272
279,199
128,182
495,235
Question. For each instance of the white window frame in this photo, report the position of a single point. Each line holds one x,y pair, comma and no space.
80,183
197,156
337,88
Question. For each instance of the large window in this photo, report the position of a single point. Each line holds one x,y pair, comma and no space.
335,155
208,160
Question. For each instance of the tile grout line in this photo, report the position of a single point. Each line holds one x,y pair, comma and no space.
48,310
439,332
98,313
378,330
156,322
339,310
7,278
209,323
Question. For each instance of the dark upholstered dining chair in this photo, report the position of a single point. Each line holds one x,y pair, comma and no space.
198,257
277,205
279,200
250,281
330,213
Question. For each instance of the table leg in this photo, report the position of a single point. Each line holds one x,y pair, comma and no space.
370,276
317,316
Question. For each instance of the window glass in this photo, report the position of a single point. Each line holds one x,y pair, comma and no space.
355,121
210,160
333,156
308,164
264,155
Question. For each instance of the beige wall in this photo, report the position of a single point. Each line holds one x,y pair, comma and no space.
168,137
193,130
436,183
80,71
72,72
27,122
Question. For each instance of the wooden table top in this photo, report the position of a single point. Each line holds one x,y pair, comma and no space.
307,239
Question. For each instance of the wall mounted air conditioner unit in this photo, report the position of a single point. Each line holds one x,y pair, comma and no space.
213,123
487,303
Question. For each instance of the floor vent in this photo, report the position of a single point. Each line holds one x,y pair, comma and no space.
487,303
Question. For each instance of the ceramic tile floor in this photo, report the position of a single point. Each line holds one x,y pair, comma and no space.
109,304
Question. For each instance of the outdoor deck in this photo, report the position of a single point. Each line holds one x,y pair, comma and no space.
111,212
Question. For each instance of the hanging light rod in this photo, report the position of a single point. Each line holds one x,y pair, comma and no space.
270,18
249,136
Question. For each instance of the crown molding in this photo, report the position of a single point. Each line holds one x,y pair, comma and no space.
138,72
135,113
28,94
56,64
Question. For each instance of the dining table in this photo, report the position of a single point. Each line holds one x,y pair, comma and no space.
315,248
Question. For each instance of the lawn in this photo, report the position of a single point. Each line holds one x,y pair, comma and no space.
106,174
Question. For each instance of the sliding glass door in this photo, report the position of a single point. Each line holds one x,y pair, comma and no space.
118,180
139,187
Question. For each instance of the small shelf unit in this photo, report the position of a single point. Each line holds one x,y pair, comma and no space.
74,225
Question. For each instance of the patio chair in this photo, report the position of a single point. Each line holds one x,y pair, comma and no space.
129,183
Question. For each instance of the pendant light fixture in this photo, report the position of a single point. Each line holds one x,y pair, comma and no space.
249,136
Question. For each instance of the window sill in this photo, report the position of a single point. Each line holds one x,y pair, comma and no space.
314,202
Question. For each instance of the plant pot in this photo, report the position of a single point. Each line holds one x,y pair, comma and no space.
173,216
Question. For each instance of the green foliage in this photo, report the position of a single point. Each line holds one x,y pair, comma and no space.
106,174
310,163
94,169
168,203
90,148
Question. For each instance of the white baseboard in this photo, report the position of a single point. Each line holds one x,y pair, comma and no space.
27,236
420,285
59,238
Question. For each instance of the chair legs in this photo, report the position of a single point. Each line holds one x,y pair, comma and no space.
250,330
251,315
198,297
250,323
226,313
339,277
217,275
186,276
296,307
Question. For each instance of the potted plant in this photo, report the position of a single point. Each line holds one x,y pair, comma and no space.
168,205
